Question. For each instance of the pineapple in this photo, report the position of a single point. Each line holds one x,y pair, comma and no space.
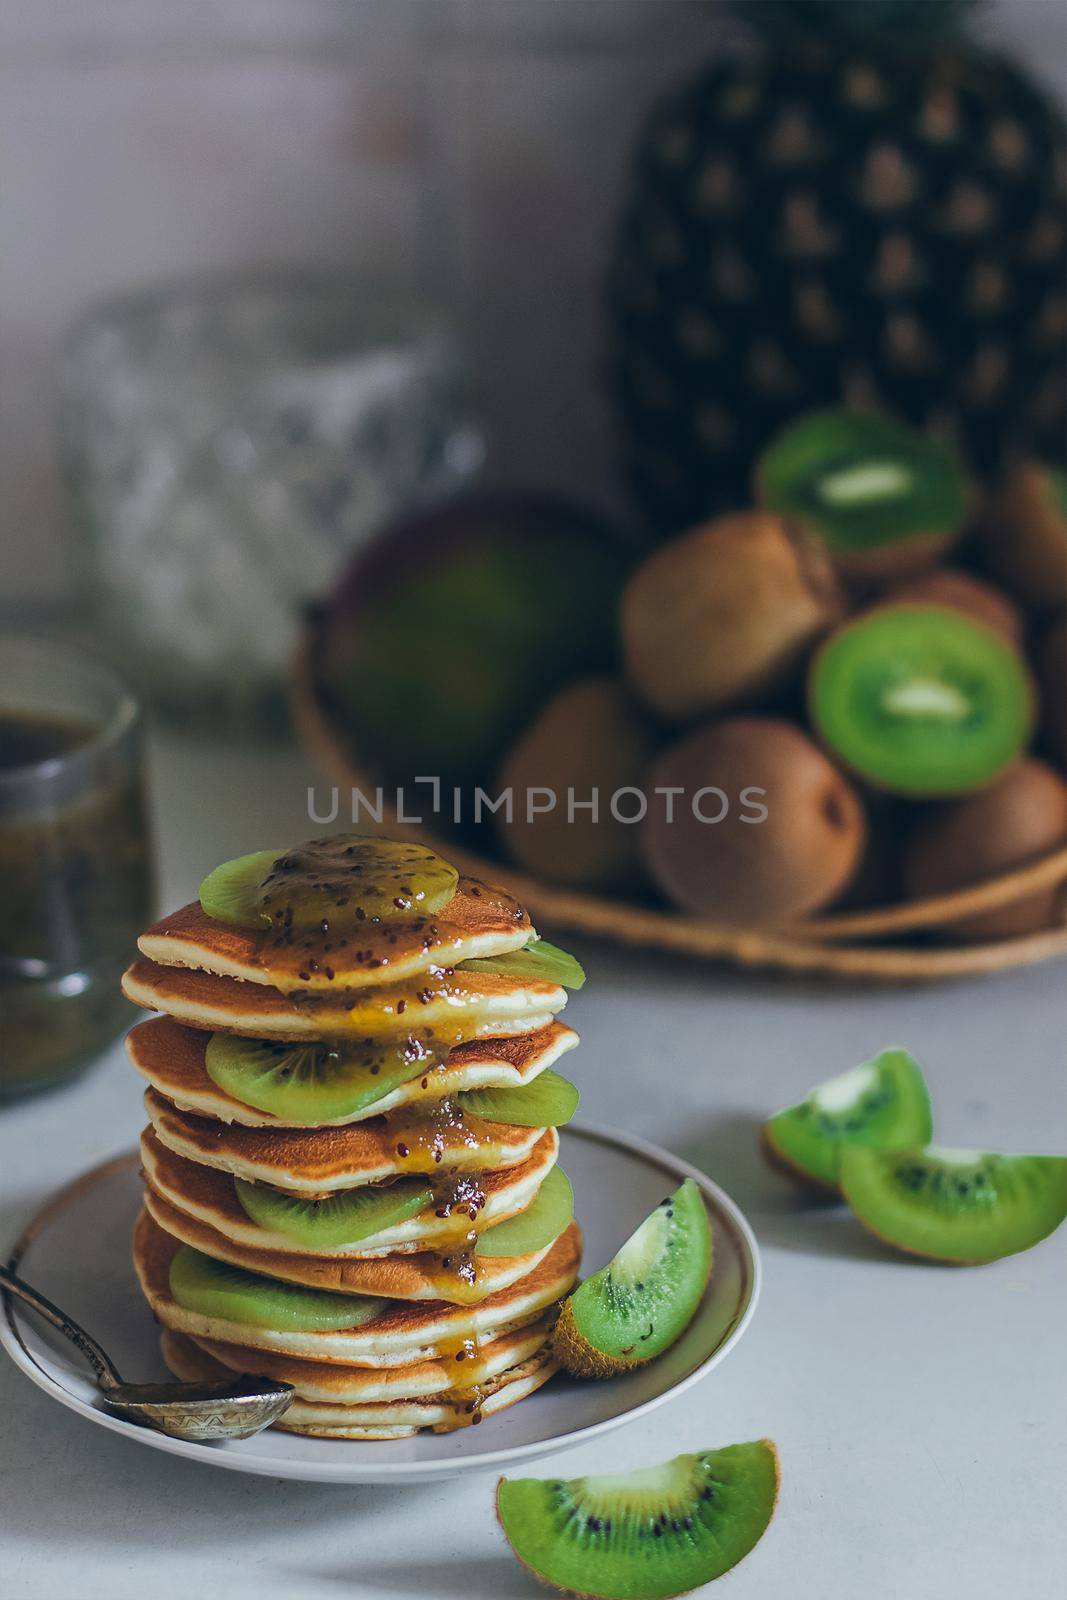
867,208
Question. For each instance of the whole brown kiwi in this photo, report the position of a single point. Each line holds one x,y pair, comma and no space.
726,614
1052,677
1024,536
747,868
962,591
589,736
969,841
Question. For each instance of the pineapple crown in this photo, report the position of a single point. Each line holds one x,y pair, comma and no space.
908,24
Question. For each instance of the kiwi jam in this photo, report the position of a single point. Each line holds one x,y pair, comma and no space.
75,891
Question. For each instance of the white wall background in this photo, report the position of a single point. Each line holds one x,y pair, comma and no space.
474,147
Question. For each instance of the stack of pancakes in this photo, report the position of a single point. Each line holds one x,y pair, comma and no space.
440,1336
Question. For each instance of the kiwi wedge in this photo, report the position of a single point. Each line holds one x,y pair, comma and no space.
883,499
961,1206
339,1220
883,1102
215,1289
644,1535
365,877
548,1102
309,1084
645,1298
537,959
543,1221
920,700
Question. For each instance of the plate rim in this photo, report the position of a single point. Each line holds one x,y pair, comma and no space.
397,1472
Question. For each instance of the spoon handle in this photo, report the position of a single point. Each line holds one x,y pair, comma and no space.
107,1375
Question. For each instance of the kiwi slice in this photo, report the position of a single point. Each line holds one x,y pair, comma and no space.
537,959
365,878
215,1289
883,1102
308,1084
644,1535
548,1102
340,1219
542,1222
644,1299
921,700
962,1206
881,497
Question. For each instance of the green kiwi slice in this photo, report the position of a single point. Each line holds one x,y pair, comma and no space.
538,1226
344,878
339,1220
231,1294
921,700
644,1535
883,1102
962,1206
645,1298
866,486
308,1084
537,959
548,1102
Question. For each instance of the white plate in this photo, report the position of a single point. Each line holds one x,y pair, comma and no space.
78,1254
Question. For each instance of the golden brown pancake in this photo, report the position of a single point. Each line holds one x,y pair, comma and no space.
420,1276
398,1419
478,921
209,1196
171,1057
404,1332
454,1007
318,1161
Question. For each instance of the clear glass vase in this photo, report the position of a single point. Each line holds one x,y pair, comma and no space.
229,447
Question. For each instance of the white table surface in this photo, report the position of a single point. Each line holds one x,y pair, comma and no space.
918,1410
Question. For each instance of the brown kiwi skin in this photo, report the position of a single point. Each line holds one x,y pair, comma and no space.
726,614
1023,538
966,593
801,857
1015,821
1052,678
779,1162
582,1359
590,734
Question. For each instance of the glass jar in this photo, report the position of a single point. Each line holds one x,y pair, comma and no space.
76,882
230,446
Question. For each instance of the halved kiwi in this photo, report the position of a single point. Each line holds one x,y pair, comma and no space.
544,1219
883,1102
884,499
232,1294
920,700
339,1220
548,1102
644,1535
645,1298
536,959
362,876
962,1206
311,1084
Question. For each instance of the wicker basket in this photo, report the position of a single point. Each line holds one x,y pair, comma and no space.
837,946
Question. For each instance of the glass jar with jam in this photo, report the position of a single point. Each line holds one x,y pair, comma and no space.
76,880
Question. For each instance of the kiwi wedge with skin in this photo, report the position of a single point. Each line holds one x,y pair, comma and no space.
884,500
965,1207
544,1219
232,1294
308,1084
646,1535
883,1102
340,1219
644,1299
920,700
537,959
548,1102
